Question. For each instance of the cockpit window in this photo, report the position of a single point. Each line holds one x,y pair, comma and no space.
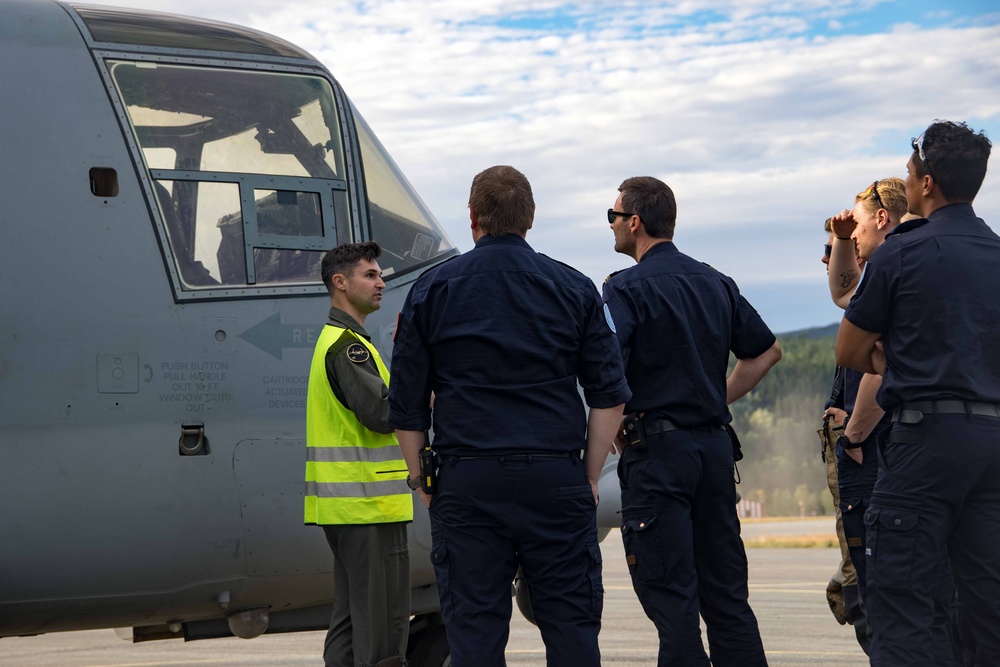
407,231
248,169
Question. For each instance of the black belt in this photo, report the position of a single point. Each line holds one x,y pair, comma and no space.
575,454
655,426
658,426
912,412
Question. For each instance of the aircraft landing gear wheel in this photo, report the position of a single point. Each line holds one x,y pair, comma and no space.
431,649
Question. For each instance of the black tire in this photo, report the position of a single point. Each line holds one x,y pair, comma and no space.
430,649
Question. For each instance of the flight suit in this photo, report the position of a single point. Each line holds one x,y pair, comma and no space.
676,321
927,290
356,490
502,335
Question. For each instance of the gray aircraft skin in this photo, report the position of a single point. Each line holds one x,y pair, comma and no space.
168,186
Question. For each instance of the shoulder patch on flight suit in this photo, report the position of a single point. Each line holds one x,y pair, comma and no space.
358,353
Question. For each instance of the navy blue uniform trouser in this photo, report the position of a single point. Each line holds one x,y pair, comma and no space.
487,517
683,547
937,497
856,482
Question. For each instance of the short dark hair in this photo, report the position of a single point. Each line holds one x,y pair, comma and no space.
957,156
502,201
653,201
344,258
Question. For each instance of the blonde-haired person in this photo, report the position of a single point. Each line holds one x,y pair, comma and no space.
878,209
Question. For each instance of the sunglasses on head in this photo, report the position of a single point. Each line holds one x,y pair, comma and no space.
918,146
873,191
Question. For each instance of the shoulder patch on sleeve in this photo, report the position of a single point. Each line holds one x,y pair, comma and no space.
358,353
611,320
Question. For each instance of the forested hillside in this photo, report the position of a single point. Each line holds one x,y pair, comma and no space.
777,424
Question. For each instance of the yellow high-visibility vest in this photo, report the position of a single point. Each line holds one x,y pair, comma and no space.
353,475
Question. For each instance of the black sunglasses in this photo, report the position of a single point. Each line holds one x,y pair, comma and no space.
873,190
826,249
918,146
612,214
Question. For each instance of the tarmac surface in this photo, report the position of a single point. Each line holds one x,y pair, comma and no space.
787,592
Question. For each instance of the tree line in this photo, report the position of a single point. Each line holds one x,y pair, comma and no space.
777,424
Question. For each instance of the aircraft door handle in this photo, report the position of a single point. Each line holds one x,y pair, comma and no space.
192,441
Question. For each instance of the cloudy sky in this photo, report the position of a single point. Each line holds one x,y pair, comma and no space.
764,116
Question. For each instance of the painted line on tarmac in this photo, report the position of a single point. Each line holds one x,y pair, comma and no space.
159,663
814,654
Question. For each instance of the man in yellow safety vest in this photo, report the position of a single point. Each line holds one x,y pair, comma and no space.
355,474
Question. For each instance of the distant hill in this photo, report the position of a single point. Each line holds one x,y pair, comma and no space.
828,331
777,424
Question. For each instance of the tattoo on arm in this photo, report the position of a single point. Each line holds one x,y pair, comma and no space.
846,278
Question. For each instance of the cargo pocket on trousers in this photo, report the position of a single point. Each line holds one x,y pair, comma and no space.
642,553
891,540
596,580
439,557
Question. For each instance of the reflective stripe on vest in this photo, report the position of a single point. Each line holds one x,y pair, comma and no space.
353,475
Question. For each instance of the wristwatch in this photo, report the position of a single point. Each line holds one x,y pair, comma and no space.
413,483
846,443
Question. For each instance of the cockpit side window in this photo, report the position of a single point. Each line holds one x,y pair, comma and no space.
248,170
407,231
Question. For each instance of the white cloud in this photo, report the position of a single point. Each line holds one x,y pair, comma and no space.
762,127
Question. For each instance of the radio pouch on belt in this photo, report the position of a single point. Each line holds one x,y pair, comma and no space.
737,449
633,431
428,469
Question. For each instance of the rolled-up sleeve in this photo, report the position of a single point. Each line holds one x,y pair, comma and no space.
620,317
871,306
751,337
601,372
410,369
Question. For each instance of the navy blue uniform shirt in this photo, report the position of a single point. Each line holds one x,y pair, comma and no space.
501,334
677,319
931,290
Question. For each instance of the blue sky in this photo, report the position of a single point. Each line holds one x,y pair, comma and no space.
764,116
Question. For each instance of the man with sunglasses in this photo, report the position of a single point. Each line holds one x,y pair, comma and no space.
925,317
842,591
676,321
